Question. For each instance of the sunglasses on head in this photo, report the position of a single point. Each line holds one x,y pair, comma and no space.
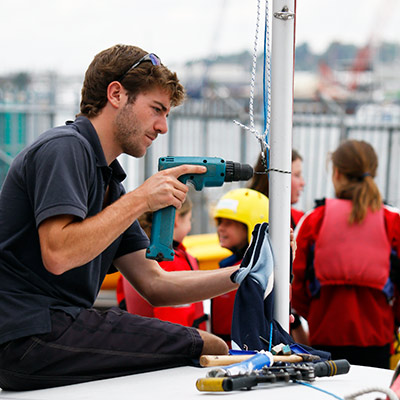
154,59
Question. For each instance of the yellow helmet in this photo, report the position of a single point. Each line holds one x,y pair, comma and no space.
244,205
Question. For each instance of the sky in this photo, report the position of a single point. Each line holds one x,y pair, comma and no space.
64,35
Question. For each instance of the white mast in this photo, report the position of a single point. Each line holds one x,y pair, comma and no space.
282,67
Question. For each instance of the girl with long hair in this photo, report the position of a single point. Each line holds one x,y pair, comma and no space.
344,281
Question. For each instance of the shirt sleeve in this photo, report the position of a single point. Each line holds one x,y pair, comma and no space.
133,239
58,175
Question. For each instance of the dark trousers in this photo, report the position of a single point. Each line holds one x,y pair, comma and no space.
95,345
372,356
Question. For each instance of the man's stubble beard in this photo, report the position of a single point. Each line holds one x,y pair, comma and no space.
128,131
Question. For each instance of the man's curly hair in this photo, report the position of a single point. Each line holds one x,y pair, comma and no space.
111,65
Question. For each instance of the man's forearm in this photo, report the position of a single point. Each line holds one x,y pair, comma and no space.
162,288
67,243
192,286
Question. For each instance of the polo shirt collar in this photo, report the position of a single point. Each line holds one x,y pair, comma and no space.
86,129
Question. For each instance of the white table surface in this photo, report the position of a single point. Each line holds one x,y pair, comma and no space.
179,383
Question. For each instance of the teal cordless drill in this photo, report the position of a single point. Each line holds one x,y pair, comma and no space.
218,172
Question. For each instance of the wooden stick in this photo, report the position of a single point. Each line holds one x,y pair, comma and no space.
213,361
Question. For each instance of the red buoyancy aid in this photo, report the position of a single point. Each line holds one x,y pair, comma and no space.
221,315
295,216
222,308
357,254
187,314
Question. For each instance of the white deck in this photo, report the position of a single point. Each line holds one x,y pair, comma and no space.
179,383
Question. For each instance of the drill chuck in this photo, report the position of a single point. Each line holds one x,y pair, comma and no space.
235,172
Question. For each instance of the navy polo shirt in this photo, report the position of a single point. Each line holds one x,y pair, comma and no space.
63,172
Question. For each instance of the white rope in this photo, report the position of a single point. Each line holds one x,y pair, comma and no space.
389,392
253,71
252,129
268,70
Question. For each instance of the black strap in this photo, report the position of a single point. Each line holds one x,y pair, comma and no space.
198,321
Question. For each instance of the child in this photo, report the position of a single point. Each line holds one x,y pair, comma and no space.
236,215
260,183
188,314
342,271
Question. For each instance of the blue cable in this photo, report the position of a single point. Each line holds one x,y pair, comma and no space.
321,390
270,338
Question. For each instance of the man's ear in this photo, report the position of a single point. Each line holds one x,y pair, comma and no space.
115,94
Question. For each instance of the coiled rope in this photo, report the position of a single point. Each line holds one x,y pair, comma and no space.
389,393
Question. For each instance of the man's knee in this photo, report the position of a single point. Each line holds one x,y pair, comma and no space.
213,344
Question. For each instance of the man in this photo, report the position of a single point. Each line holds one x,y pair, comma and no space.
65,221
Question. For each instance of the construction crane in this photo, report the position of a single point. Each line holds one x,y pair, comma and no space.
329,86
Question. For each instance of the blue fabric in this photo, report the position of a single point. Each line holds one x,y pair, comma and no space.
258,259
229,261
254,301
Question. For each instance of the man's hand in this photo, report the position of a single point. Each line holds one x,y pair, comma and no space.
67,242
163,189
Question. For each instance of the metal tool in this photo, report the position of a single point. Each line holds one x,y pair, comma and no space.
292,372
218,172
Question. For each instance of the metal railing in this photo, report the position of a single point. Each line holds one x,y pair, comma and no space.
205,127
